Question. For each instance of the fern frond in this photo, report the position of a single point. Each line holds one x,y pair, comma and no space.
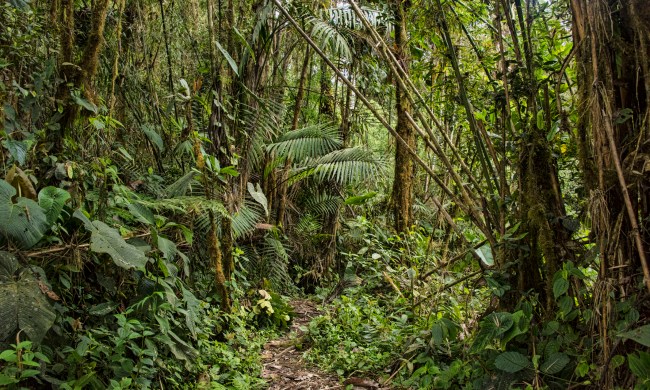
136,170
310,141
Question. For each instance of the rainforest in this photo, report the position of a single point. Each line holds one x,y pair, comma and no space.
301,194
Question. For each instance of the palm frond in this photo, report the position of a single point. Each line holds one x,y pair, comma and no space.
276,261
245,220
321,204
308,225
311,141
329,36
188,205
346,18
262,123
348,165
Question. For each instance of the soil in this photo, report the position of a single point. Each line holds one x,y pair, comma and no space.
285,367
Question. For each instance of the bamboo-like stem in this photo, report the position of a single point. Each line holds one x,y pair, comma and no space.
469,199
376,114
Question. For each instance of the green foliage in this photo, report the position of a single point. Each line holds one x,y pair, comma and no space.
347,165
356,336
105,239
311,141
512,362
641,335
272,310
20,363
24,303
640,366
24,222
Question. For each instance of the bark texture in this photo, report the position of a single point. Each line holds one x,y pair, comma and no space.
402,195
612,39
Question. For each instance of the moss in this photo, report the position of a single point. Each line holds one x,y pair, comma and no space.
90,58
217,259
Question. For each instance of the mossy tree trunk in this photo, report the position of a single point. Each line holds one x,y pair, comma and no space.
77,74
402,194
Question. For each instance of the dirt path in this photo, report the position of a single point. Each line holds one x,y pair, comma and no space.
285,368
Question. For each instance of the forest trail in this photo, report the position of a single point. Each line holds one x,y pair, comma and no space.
285,368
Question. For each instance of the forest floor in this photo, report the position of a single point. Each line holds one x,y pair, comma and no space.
285,367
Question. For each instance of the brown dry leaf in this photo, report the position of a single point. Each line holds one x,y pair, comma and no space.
52,295
19,180
76,325
46,290
360,382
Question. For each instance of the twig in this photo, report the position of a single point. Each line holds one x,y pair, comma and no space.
446,286
458,257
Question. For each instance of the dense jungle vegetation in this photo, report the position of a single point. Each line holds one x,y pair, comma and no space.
463,185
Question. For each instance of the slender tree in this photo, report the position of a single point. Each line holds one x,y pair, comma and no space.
402,194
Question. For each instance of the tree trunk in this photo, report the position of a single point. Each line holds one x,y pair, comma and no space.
284,176
614,78
82,75
402,195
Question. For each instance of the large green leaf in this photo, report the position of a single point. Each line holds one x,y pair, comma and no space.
18,150
512,362
166,246
228,57
90,106
105,239
555,363
259,196
52,200
641,335
23,222
560,286
640,365
485,253
192,311
154,137
142,213
521,323
23,303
